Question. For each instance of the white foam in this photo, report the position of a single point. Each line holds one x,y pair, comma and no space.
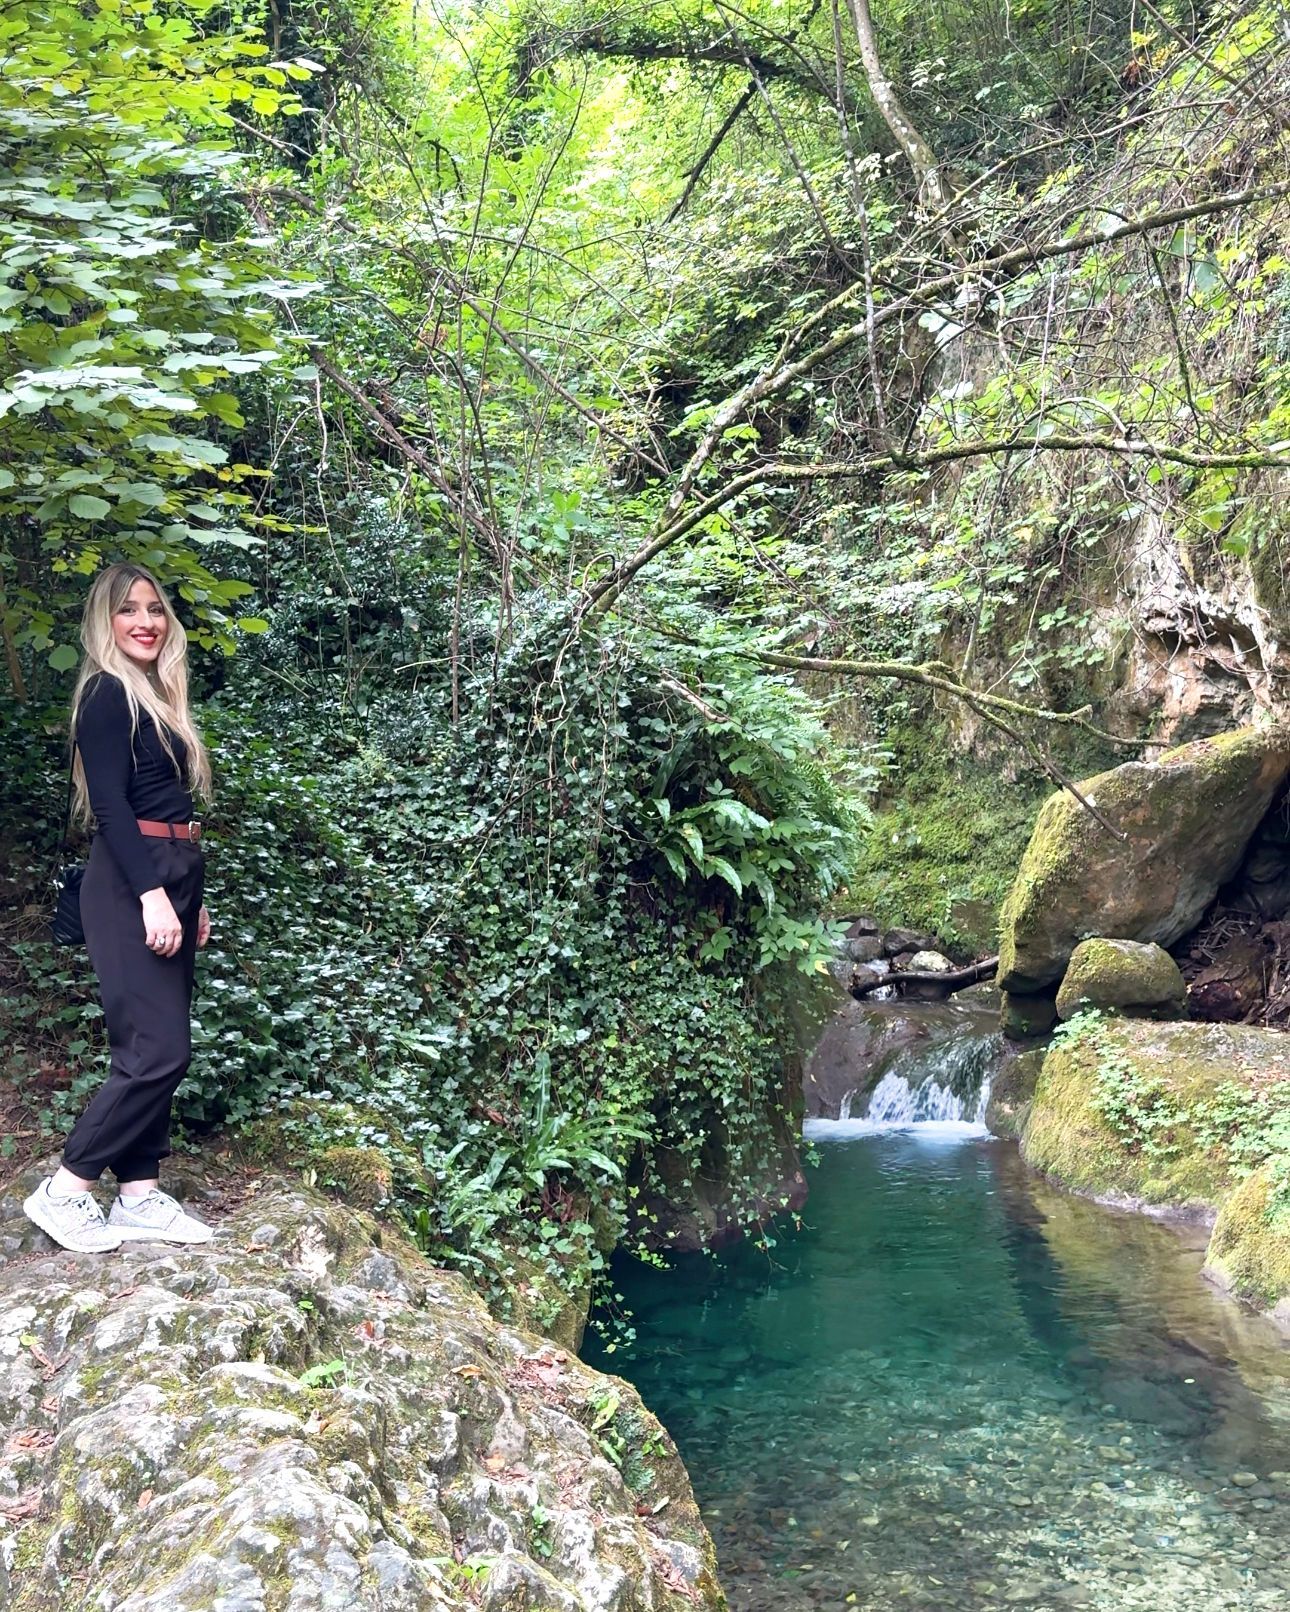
928,1110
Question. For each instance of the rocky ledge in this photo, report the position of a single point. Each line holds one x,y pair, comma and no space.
1178,1119
304,1415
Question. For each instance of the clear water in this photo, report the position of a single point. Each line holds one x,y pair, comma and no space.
955,1388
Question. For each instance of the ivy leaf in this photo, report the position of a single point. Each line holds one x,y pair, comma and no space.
63,658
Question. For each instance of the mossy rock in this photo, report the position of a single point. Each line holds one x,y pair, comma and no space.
1249,1249
306,1401
337,1143
1011,1093
1186,820
1178,1067
1024,1016
363,1176
1127,974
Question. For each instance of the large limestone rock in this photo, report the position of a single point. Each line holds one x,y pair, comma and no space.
1140,978
305,1415
1171,1116
1131,1110
1188,818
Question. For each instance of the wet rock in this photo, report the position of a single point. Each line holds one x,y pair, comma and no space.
896,941
861,925
864,1040
864,949
1011,1093
1026,1016
864,980
1126,974
327,1423
1187,819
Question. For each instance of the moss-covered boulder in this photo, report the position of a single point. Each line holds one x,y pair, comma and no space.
1163,1114
304,1413
1131,975
1024,1016
1186,821
1249,1250
1012,1091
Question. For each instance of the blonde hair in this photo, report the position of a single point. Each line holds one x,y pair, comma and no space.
161,690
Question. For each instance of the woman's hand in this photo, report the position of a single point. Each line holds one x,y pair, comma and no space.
203,927
162,929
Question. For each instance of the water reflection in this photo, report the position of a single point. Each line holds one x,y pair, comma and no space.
955,1388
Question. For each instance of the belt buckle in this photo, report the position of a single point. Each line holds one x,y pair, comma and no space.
194,829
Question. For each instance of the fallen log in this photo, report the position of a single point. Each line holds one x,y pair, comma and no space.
952,980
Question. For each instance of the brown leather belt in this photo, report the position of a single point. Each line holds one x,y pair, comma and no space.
191,830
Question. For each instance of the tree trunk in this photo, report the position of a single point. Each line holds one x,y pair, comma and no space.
933,190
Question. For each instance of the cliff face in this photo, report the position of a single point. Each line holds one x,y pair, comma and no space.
305,1413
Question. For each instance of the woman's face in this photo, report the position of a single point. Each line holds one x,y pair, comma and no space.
140,625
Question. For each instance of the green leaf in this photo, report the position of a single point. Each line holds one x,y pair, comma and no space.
89,507
252,624
63,658
719,866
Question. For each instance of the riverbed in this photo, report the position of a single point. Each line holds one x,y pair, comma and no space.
953,1387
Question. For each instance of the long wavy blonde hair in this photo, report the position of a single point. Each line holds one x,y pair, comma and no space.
161,690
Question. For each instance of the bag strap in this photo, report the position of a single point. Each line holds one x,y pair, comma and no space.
65,845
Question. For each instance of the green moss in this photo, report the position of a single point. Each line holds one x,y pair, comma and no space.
942,851
1249,1250
1122,974
363,1176
1121,1112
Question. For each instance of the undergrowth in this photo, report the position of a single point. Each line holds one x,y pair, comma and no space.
516,954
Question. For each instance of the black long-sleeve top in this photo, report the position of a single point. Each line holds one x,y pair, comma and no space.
129,776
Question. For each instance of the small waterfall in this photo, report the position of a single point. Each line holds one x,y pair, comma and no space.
937,1085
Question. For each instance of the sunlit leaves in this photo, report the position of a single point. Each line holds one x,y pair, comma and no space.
123,329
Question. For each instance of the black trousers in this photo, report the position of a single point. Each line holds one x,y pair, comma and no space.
146,1001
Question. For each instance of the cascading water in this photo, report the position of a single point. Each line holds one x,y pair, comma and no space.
937,1082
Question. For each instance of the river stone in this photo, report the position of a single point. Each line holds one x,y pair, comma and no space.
1122,974
864,948
932,962
896,941
1187,818
862,925
158,1417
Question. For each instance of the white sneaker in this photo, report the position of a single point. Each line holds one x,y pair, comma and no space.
76,1222
156,1217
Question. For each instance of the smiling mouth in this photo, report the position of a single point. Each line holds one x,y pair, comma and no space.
145,638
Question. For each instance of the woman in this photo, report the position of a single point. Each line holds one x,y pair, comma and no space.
136,761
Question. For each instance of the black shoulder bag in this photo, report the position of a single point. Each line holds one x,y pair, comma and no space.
66,926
